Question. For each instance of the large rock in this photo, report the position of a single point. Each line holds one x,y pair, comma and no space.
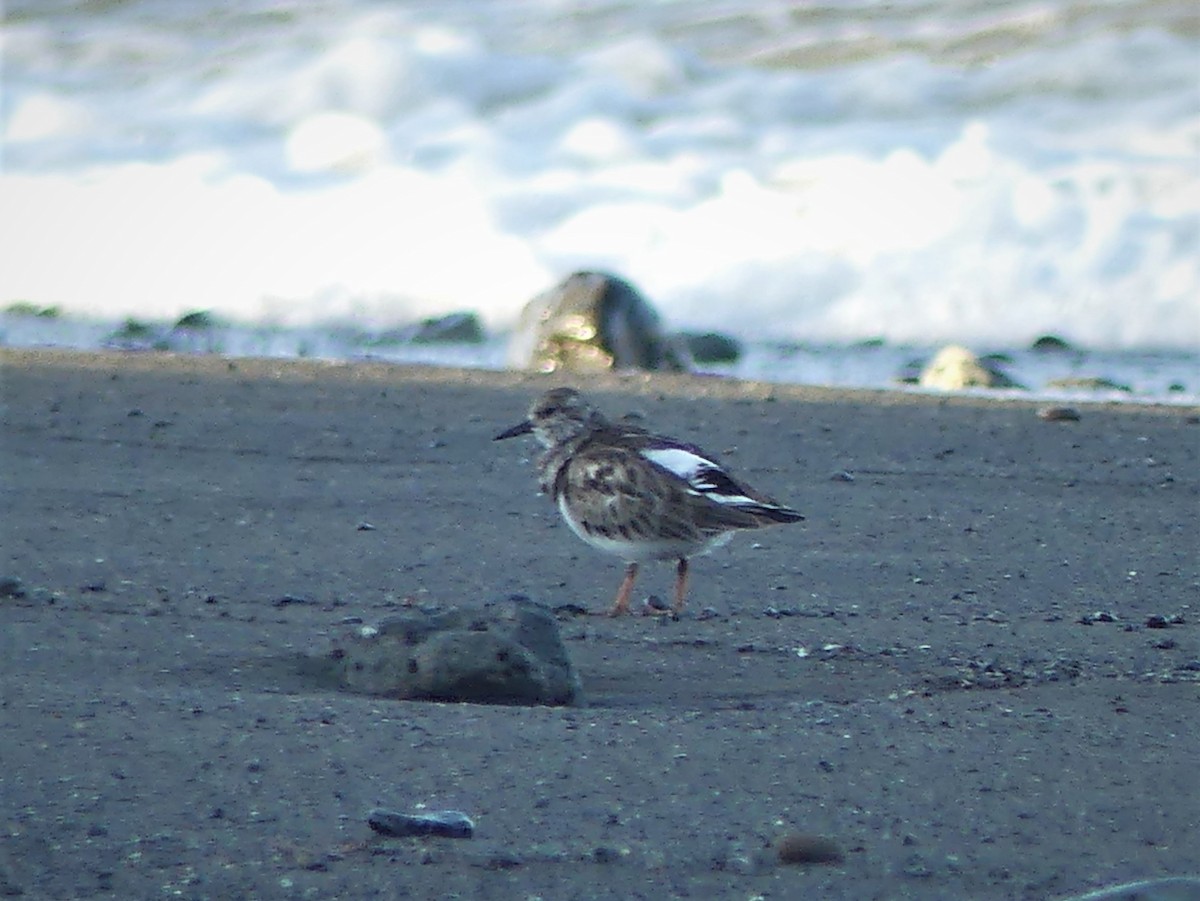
508,653
954,368
593,322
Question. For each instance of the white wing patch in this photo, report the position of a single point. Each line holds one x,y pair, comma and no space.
683,463
703,476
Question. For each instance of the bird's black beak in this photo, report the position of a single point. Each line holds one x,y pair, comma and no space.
523,428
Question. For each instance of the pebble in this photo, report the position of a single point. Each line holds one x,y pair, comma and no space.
443,823
1058,414
797,848
290,599
11,587
606,854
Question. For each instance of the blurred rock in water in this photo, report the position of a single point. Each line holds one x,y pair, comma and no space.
593,322
954,368
712,347
453,328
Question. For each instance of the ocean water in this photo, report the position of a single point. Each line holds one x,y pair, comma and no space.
804,176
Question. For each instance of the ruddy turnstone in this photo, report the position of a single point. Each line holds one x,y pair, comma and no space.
635,494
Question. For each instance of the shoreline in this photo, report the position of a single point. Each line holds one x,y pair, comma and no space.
918,672
633,382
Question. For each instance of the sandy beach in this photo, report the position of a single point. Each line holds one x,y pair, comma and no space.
975,667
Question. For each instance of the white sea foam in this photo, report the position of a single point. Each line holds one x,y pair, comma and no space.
974,172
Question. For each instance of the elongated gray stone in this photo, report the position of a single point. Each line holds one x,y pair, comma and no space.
443,823
1168,888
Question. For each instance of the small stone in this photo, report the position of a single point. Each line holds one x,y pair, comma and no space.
442,823
1058,414
655,604
503,860
737,858
1157,622
288,600
11,587
365,527
797,848
605,854
842,475
917,867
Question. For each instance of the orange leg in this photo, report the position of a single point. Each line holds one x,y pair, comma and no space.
621,606
681,579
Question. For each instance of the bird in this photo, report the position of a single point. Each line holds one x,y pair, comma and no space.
641,496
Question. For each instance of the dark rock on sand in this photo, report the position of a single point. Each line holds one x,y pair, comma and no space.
443,823
954,368
713,347
1058,414
798,849
509,653
593,322
11,587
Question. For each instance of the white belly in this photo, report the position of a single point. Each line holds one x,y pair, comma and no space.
639,551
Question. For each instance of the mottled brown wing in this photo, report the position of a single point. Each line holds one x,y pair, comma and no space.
620,494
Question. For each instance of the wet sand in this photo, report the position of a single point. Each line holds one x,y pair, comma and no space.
917,672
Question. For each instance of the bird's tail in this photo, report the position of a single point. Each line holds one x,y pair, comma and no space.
776,513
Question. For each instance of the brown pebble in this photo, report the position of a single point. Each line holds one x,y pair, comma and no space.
797,848
1058,414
